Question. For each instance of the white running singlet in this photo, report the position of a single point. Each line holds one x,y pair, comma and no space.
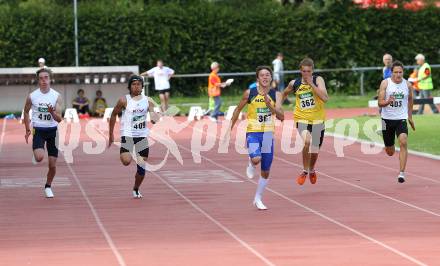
397,109
134,118
40,115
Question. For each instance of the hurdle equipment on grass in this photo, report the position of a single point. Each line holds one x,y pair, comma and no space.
156,109
195,112
230,112
71,114
108,113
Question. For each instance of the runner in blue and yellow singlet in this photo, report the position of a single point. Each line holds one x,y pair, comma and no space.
264,104
309,115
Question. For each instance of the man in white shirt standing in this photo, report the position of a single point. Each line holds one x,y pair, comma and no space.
162,75
278,69
42,63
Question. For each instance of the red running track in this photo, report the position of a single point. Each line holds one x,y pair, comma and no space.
201,213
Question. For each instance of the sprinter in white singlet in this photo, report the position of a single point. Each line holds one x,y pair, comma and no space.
134,129
396,100
45,104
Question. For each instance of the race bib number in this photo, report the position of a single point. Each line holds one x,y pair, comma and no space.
264,115
396,104
139,122
306,101
43,114
398,100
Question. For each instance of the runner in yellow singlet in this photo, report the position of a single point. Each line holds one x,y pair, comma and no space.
264,104
309,115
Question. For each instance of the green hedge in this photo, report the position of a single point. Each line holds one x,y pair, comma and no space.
189,36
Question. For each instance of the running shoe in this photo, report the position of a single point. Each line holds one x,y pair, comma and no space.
301,178
137,194
259,204
250,170
48,192
401,179
313,177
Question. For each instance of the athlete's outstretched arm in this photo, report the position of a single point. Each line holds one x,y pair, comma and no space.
410,105
26,109
240,106
287,90
120,105
382,102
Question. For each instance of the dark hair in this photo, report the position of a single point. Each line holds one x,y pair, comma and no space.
396,64
307,62
259,68
80,90
135,78
42,70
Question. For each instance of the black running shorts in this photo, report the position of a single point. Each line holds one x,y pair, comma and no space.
392,129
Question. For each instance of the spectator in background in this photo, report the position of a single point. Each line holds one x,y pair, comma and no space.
387,61
386,71
424,79
162,75
81,103
278,69
214,90
413,80
42,63
99,104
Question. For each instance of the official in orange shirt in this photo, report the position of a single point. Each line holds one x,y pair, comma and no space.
215,86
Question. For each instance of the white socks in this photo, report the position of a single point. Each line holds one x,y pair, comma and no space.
262,183
402,174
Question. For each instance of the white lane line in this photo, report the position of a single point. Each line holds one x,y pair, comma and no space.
400,253
383,166
412,152
216,222
195,206
365,189
101,226
373,240
357,186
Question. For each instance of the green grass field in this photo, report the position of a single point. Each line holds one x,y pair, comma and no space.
424,139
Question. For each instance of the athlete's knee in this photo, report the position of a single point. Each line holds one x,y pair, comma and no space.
140,170
38,157
256,160
389,151
403,142
265,174
307,142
